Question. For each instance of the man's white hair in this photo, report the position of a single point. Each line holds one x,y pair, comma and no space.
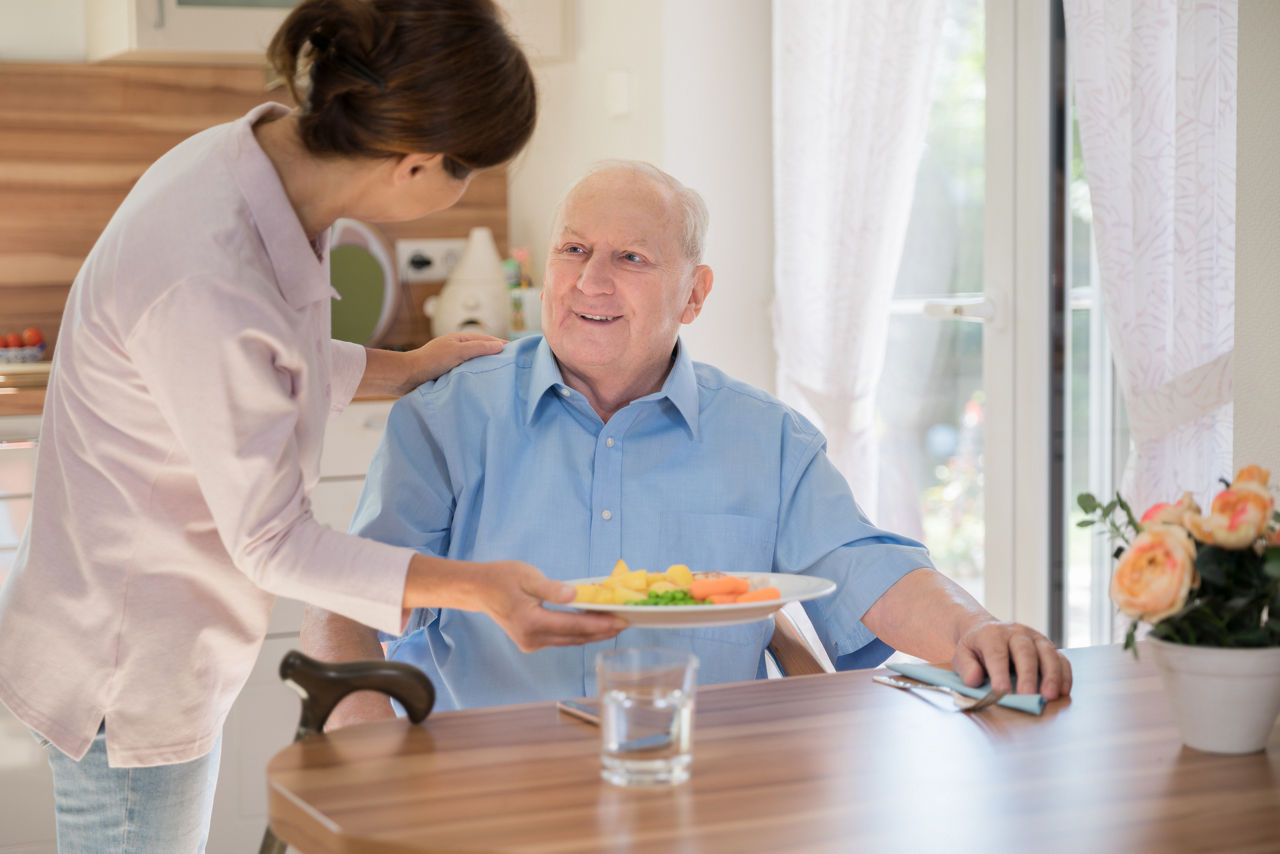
690,206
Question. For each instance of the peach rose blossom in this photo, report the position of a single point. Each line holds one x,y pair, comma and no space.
1155,573
1171,514
1239,515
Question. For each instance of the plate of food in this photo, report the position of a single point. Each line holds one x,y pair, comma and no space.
681,597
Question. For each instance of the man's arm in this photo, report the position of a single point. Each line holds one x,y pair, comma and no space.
331,637
928,615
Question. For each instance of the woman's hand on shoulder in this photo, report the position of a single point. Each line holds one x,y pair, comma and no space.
445,353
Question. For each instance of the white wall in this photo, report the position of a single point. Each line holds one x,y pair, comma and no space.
717,137
575,125
1257,355
685,85
43,30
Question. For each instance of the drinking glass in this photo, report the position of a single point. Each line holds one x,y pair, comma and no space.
646,715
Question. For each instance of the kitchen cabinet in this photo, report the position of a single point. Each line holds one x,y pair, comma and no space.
173,31
19,436
209,31
264,717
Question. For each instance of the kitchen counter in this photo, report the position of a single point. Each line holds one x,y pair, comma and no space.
22,386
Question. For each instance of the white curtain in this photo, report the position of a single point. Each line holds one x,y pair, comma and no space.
851,91
1155,91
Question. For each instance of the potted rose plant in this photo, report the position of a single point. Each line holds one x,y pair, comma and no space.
1208,585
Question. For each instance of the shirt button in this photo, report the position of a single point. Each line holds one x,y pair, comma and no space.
609,442
565,392
606,515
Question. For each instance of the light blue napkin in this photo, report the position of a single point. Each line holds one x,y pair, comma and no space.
1029,703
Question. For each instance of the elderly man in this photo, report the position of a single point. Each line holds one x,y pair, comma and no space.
604,440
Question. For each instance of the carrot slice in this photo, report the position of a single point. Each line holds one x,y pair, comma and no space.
705,588
722,598
761,595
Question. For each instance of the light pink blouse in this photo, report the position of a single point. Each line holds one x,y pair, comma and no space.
181,436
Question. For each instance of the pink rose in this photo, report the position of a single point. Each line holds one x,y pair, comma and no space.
1155,573
1171,514
1239,515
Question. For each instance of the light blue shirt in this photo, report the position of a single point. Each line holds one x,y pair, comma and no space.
499,459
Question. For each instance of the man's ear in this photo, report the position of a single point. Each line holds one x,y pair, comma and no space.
702,278
410,166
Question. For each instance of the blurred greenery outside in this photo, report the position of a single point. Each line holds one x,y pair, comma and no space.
930,402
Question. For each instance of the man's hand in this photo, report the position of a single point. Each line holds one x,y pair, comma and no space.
512,593
990,647
928,615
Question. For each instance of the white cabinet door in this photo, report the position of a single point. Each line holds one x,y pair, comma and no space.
170,31
262,722
217,32
26,791
351,438
18,439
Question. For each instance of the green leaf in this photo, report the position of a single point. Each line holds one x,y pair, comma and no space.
1211,563
1271,564
1089,504
1129,642
1124,505
1256,636
1086,523
1109,507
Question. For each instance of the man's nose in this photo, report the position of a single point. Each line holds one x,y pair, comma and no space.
596,276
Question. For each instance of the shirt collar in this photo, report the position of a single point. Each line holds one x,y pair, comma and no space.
680,387
301,269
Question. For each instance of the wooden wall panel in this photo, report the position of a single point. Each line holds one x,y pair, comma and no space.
75,137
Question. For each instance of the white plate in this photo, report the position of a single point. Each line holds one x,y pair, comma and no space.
794,588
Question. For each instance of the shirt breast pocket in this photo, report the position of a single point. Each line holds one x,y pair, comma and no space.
718,542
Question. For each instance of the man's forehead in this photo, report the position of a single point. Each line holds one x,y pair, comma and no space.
631,207
634,237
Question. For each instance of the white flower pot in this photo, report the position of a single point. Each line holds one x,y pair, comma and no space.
1225,700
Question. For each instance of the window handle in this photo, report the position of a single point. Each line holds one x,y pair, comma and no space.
977,309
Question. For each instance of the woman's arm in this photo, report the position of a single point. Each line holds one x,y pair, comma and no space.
390,373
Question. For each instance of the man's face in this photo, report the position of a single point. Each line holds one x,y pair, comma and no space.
617,284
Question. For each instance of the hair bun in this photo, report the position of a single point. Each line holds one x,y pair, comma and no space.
320,42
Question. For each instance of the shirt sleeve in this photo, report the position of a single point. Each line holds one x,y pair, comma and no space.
223,369
349,362
823,532
407,499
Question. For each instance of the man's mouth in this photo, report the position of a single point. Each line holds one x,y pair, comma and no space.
598,318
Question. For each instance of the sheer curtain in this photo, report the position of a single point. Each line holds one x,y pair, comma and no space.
1155,90
851,97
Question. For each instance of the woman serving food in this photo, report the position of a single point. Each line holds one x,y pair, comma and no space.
187,403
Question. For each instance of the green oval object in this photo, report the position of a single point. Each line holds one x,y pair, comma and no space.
358,277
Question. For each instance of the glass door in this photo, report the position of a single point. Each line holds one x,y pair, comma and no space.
962,407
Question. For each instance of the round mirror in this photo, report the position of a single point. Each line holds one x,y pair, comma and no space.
363,274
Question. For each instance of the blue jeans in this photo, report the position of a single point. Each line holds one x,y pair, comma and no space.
164,809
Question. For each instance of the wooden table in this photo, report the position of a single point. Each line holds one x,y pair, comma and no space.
807,764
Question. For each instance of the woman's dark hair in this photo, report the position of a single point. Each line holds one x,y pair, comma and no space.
390,77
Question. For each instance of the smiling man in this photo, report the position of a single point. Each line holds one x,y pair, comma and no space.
604,440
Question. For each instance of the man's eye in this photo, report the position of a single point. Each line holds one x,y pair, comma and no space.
573,250
632,257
